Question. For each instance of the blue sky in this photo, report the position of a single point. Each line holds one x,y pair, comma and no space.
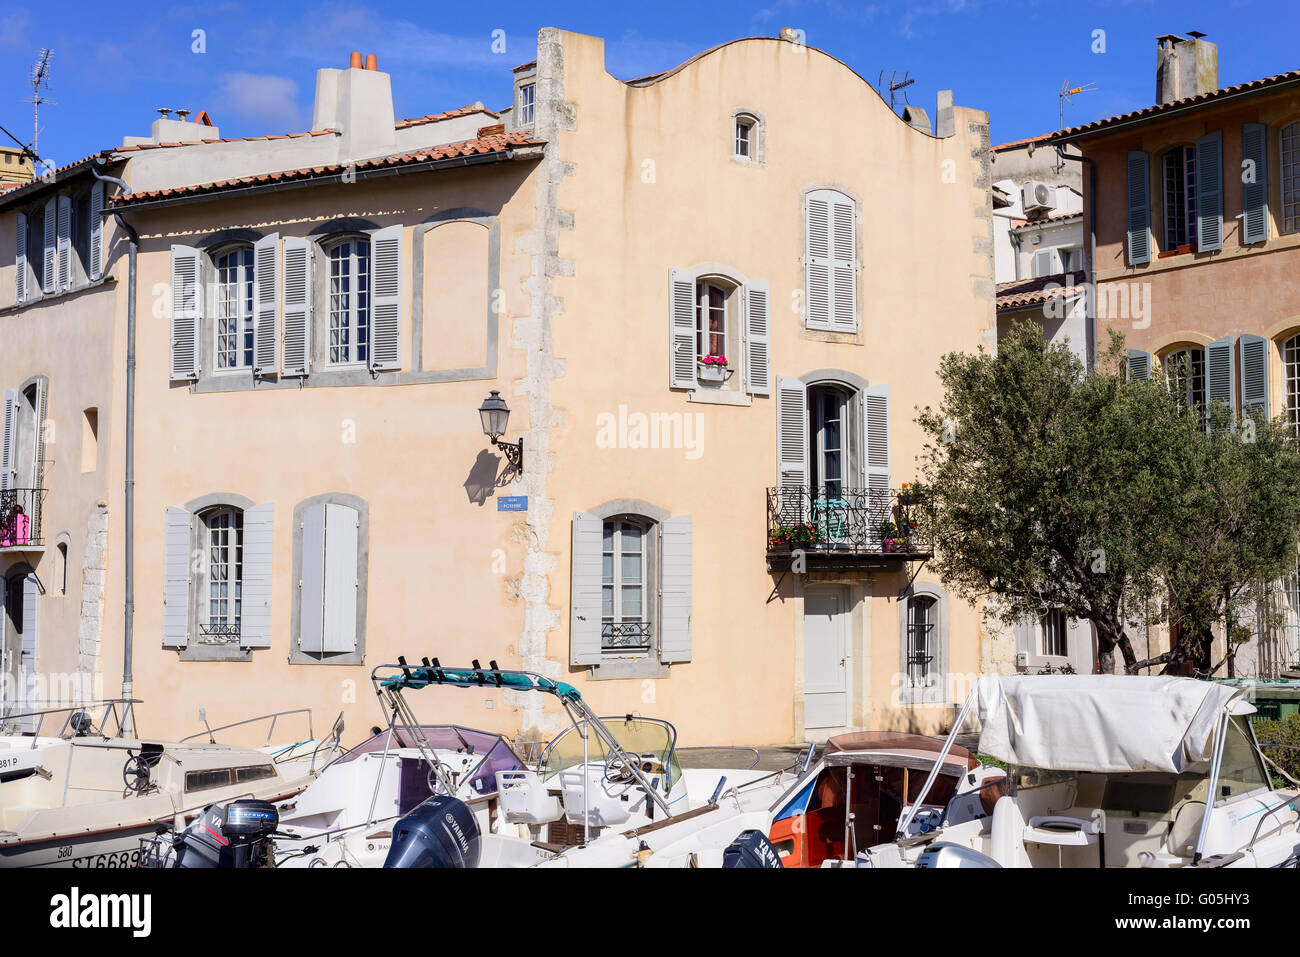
114,66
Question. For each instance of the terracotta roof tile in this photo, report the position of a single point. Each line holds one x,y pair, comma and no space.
1150,112
497,143
1028,292
1049,220
225,139
449,114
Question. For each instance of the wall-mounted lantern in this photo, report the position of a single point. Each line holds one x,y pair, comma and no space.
495,414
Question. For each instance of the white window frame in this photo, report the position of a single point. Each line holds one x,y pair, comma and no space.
527,103
352,319
223,546
744,140
1048,622
1190,392
614,582
1188,169
1291,368
244,312
702,315
936,692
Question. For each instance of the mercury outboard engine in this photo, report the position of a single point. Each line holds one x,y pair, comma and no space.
235,836
751,849
441,832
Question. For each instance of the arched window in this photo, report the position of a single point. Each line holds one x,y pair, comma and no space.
234,307
223,535
924,652
1180,197
1290,177
1185,374
831,423
348,300
625,592
1291,359
746,146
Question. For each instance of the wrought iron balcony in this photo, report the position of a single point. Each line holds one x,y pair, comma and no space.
616,636
218,633
20,518
873,524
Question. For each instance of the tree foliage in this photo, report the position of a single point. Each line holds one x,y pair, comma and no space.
1059,488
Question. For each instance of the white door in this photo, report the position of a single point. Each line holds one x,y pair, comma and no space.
825,667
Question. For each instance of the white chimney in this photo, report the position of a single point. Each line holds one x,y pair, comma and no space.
358,103
1185,66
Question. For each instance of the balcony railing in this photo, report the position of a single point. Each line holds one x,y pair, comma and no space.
20,517
218,633
848,522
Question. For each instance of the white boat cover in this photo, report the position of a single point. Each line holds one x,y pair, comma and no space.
1102,723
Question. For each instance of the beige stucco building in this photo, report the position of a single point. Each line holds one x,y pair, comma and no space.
712,311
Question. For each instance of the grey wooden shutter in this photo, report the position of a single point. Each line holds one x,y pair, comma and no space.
1254,150
681,329
311,582
29,652
340,595
255,589
585,590
1139,365
296,293
38,459
266,305
96,264
63,240
675,590
186,313
791,433
758,359
20,260
875,417
1254,376
1209,191
386,298
1139,209
177,538
844,250
818,296
7,441
51,242
1220,377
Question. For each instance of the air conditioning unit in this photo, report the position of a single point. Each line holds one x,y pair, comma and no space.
1037,196
1022,659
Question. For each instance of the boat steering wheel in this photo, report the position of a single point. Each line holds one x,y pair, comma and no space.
135,773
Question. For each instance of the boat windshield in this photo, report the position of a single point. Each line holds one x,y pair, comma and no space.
650,739
440,738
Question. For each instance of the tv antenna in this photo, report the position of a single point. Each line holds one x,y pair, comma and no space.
894,85
40,81
1063,97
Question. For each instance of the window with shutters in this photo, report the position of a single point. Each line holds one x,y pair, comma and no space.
719,336
1290,177
714,337
348,292
1180,197
35,251
626,589
1185,375
233,319
1053,634
830,261
1291,359
331,548
81,237
223,575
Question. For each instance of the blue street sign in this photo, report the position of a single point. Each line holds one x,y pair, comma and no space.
512,503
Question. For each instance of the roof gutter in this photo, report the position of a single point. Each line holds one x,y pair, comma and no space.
1067,137
478,159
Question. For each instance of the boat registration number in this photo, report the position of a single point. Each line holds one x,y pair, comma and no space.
110,859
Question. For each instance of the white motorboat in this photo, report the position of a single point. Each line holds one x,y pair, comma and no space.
1109,771
604,792
86,794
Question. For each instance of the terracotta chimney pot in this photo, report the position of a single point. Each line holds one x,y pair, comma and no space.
372,62
355,62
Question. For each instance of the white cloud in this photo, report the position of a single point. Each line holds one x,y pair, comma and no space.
14,30
259,99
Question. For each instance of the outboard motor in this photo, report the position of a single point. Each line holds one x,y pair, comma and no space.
751,849
945,855
442,832
235,836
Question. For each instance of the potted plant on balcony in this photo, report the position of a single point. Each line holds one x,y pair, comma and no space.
912,493
800,535
895,537
713,368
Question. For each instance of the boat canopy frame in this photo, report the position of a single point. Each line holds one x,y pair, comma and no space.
391,680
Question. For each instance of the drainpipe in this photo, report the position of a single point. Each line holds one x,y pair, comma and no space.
1090,307
128,635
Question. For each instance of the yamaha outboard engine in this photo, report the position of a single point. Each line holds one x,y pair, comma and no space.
235,836
441,832
751,849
